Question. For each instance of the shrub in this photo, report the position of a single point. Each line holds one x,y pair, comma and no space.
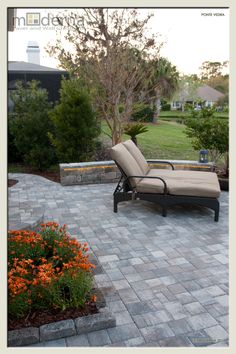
211,134
76,127
13,153
203,112
166,107
207,112
142,113
47,270
29,126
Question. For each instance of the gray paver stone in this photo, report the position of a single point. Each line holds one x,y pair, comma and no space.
102,320
217,332
156,333
99,338
57,330
138,308
80,340
55,343
201,321
122,333
25,336
175,342
200,339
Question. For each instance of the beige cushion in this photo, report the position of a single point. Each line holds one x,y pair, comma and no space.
126,161
189,183
137,155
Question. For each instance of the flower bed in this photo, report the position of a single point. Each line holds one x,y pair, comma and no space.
47,271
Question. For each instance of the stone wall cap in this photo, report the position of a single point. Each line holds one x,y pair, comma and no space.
112,163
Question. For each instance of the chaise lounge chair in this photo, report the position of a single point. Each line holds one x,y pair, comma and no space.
162,186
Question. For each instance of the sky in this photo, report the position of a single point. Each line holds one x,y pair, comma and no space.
191,36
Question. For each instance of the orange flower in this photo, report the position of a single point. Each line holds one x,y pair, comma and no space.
94,298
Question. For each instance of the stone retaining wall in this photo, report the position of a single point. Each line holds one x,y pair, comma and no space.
107,171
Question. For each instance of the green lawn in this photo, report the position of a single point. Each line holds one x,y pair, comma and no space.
179,114
166,140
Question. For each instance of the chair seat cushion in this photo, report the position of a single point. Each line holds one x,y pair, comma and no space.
189,183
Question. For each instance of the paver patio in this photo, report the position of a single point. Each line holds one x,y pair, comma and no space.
170,274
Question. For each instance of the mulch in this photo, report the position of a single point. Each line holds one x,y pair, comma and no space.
39,318
12,182
52,176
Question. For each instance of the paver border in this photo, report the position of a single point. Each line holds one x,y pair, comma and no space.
66,328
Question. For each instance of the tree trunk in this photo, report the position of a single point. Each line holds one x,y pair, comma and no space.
157,109
116,137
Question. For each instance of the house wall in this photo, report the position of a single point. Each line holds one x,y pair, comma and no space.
50,81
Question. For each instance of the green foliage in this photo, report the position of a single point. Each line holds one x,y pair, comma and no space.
188,107
204,112
142,113
211,134
166,107
75,124
207,112
69,292
135,129
13,153
29,126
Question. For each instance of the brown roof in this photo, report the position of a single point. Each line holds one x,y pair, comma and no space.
208,93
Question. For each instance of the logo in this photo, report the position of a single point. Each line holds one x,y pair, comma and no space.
33,19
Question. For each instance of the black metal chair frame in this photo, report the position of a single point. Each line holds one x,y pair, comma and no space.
124,192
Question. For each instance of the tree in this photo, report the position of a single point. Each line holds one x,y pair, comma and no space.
223,101
211,69
110,51
220,83
75,124
187,89
29,125
165,82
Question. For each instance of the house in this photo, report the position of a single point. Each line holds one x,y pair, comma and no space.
49,78
206,94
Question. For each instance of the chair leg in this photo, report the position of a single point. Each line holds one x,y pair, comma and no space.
217,214
115,205
164,211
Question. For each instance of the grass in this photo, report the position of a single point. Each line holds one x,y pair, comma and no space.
165,140
179,114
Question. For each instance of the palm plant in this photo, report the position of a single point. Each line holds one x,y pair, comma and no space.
135,129
166,77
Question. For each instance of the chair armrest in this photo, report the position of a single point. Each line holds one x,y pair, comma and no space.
167,162
150,177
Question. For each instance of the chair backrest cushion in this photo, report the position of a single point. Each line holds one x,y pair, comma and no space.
126,161
137,155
